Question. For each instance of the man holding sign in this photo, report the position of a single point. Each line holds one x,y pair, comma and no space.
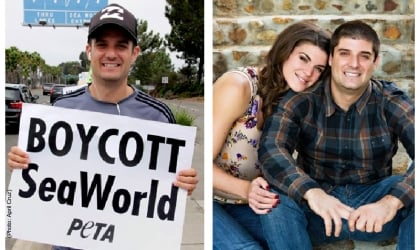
112,48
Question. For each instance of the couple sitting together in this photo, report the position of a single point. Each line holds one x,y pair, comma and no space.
314,96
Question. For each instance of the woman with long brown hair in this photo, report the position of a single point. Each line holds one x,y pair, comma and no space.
242,98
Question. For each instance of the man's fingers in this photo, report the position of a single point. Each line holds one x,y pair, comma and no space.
187,179
328,225
345,211
12,164
378,227
189,187
352,220
337,225
361,224
16,158
370,226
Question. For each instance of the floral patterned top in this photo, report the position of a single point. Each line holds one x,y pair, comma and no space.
238,156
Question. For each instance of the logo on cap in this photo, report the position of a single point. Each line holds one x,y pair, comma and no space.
112,12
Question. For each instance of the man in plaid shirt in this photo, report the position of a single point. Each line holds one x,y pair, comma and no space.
346,131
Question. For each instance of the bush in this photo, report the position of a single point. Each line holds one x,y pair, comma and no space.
181,90
182,117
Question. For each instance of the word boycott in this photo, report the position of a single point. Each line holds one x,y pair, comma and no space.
122,201
37,142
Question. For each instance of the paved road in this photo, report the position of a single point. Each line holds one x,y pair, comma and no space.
193,237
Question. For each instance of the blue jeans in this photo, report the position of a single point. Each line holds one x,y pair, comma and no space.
292,224
236,227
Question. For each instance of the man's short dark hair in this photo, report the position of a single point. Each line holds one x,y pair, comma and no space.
356,29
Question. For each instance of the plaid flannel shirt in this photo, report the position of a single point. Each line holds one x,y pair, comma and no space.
337,147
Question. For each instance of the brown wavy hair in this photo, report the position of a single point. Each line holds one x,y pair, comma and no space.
271,80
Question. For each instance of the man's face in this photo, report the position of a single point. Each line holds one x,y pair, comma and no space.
111,55
352,65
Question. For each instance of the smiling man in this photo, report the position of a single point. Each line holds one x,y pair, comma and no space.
346,133
112,49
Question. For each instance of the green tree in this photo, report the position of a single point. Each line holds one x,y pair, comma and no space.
13,56
84,61
71,71
23,66
36,64
71,68
187,35
51,74
13,59
153,61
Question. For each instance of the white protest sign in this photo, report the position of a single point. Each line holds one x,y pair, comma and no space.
98,181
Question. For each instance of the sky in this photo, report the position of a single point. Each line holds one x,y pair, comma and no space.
64,44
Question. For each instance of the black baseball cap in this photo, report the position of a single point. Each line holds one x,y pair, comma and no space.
116,15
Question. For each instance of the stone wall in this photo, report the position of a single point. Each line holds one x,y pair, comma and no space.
243,30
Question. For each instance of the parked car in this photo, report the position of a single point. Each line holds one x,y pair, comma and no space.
56,91
46,88
16,95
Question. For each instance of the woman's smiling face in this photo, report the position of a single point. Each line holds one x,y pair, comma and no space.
304,66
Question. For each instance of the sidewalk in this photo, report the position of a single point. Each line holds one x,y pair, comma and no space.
193,236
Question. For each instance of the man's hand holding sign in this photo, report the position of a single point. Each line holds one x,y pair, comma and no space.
97,182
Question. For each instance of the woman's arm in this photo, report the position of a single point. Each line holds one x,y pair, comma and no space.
231,96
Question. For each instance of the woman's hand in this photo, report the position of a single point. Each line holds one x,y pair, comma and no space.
259,198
